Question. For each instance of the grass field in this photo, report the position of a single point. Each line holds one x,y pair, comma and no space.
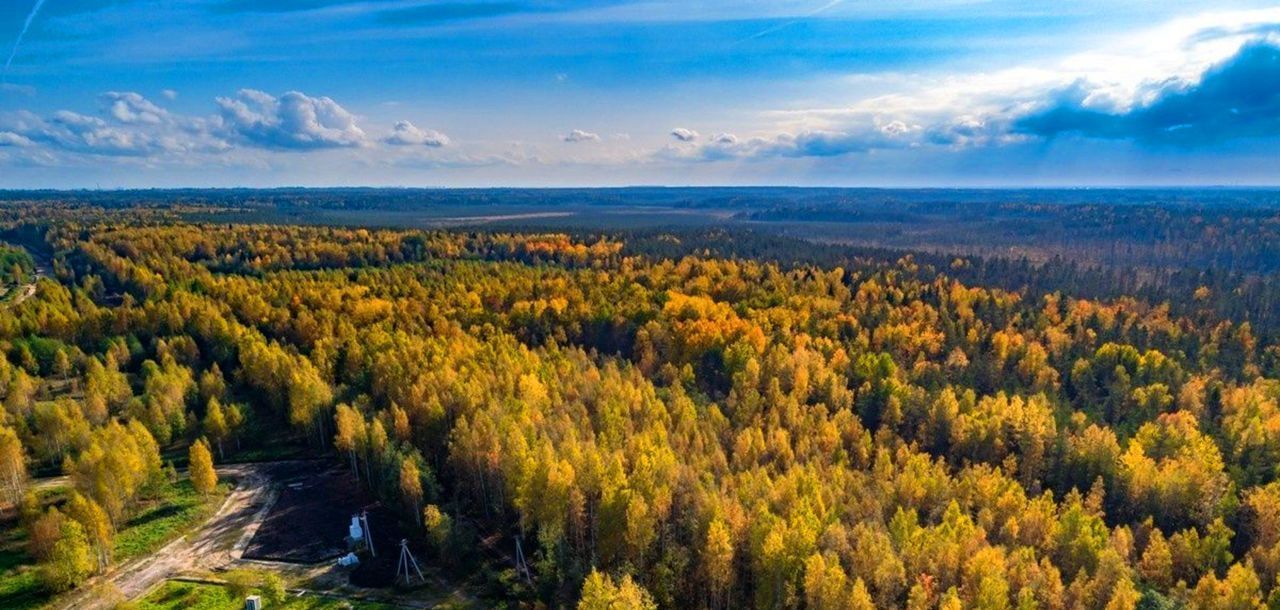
176,509
19,588
174,595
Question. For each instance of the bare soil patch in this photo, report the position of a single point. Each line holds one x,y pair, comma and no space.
375,572
308,522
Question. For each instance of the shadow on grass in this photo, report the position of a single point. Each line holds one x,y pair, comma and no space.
156,515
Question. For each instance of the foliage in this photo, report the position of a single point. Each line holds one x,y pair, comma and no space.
200,462
676,431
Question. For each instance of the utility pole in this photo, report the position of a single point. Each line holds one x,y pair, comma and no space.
521,564
368,534
406,560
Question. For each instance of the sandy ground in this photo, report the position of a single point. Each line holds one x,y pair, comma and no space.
212,547
219,543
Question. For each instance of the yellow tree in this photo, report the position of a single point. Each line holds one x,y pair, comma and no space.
718,558
235,421
43,531
13,466
203,476
70,561
599,592
411,484
119,463
438,525
825,585
96,523
1156,565
215,424
351,434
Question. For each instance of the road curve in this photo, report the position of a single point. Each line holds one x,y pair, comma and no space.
210,547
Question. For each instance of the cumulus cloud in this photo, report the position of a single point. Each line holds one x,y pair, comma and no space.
1237,98
684,135
251,130
129,107
128,124
8,138
579,135
802,143
835,143
83,133
294,121
407,134
1190,82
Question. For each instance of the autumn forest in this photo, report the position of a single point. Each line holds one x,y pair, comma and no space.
671,417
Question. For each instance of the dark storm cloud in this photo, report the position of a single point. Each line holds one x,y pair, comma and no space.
1239,98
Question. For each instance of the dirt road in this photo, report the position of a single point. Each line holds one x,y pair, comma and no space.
27,291
216,544
220,543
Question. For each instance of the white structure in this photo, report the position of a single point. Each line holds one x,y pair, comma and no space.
356,532
253,602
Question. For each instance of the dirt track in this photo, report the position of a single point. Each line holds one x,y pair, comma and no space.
28,290
216,544
221,541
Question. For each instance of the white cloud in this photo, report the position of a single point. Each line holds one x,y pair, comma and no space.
407,134
294,121
978,109
684,135
129,125
8,138
129,107
579,135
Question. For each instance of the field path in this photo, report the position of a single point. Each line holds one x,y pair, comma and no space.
211,546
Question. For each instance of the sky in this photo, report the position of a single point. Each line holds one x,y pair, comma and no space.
170,93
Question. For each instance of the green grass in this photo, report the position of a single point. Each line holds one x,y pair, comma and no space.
175,510
19,589
175,595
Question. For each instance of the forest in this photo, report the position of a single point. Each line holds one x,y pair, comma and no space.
677,418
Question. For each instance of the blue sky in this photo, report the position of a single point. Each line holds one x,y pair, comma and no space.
141,93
